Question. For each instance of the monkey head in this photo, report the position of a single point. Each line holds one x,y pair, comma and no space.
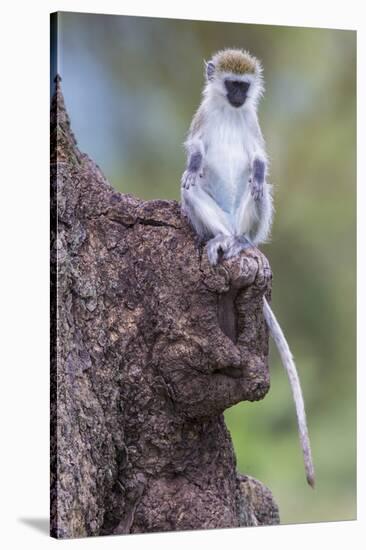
234,77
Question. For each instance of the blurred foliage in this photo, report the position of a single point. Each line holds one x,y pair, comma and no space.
131,86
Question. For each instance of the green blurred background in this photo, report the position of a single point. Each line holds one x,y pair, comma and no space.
131,87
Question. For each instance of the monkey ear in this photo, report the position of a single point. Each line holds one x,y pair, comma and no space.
210,70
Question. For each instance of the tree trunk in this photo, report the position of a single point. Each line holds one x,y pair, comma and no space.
149,345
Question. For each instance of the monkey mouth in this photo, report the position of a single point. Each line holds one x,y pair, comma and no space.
237,102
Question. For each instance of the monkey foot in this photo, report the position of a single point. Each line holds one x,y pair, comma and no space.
238,244
225,247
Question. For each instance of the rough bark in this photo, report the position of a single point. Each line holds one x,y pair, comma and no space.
150,345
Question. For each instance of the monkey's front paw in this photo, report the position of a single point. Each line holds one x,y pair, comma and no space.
256,189
190,178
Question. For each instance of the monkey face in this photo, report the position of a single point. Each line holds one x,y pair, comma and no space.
236,91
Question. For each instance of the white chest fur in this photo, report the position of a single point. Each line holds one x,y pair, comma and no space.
228,150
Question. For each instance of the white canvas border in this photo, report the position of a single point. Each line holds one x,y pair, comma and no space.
24,240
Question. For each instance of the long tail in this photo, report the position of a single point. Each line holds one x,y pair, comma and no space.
289,364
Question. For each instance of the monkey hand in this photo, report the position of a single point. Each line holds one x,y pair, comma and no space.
256,189
190,178
256,181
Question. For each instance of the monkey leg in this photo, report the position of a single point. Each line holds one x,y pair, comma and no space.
254,217
264,214
207,218
247,214
254,214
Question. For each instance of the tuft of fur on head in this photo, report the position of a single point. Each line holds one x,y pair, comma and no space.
236,64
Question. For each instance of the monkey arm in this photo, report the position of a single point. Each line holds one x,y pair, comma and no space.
254,214
259,158
194,169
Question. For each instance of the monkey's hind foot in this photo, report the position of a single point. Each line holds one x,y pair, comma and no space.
218,247
226,247
237,245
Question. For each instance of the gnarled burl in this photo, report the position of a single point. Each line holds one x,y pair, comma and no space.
150,345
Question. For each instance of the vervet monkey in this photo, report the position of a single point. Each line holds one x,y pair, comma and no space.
224,189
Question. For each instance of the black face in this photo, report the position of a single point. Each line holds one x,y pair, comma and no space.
236,92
